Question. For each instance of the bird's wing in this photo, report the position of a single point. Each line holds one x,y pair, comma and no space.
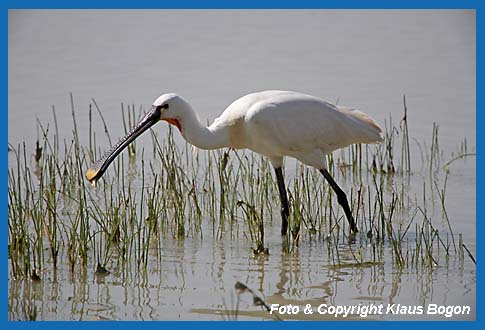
298,122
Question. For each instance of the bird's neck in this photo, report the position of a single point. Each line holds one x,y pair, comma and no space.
201,136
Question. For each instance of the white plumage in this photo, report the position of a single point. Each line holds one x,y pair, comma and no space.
280,123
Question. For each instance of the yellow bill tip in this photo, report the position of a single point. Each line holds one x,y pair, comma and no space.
91,174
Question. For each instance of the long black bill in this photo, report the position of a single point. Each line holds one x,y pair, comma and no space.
97,170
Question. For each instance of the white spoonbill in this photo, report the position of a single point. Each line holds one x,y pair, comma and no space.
272,123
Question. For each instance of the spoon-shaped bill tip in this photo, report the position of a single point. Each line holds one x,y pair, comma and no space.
91,174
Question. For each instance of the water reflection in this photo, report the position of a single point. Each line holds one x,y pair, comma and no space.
194,279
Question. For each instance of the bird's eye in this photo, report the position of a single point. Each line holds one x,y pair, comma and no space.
163,106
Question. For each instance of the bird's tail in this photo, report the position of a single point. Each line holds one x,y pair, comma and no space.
366,127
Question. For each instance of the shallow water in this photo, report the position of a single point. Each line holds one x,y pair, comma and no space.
195,281
364,59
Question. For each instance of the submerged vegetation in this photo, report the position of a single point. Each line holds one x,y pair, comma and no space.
55,217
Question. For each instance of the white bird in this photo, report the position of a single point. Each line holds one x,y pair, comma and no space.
272,123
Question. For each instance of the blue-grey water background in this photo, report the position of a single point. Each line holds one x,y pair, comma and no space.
365,59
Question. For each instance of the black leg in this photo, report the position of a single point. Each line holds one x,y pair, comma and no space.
285,210
341,198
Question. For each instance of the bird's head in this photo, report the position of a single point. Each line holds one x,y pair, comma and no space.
168,107
171,108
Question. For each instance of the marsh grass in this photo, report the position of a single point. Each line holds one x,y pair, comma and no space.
55,217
